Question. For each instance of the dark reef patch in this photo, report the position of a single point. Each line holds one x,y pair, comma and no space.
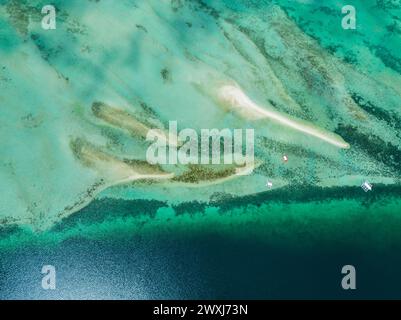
195,174
311,193
166,75
103,209
301,193
8,230
208,9
189,207
391,118
372,145
387,58
141,27
388,4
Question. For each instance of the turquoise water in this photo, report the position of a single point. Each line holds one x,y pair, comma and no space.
292,247
62,163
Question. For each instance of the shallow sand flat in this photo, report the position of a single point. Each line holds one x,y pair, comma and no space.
122,119
152,66
235,97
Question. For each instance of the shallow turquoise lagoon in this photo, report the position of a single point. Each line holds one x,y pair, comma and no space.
76,190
